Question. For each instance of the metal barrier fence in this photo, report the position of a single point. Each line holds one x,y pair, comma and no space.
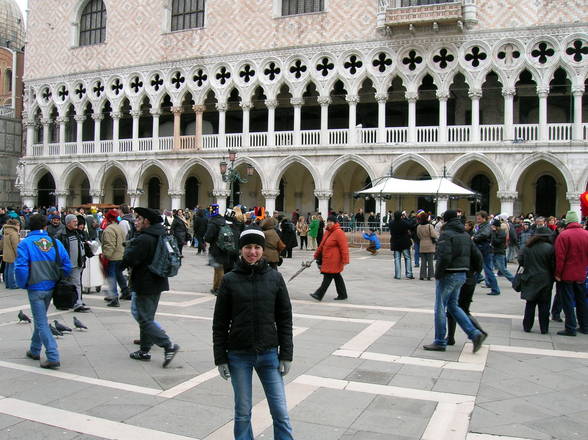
354,232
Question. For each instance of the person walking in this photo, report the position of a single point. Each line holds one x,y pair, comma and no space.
10,242
313,232
252,329
200,226
571,261
482,238
427,238
113,239
37,271
498,240
147,286
400,244
333,255
179,229
220,259
454,253
538,262
302,230
76,248
288,231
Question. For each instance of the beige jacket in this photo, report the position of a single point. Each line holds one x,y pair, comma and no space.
113,238
426,233
10,242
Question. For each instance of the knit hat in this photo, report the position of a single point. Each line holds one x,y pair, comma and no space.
150,214
251,235
449,215
332,218
572,217
52,216
213,209
112,216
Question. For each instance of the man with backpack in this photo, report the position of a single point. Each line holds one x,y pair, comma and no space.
147,285
223,251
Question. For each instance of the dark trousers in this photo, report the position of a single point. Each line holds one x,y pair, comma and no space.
465,299
427,270
556,308
339,284
529,317
150,332
574,292
201,243
303,242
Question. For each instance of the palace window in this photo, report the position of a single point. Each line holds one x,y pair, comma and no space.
93,23
294,7
406,3
187,14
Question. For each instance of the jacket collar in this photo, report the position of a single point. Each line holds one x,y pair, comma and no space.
249,269
573,225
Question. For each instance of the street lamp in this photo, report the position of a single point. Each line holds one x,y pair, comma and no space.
231,175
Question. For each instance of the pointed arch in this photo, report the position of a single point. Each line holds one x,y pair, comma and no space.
333,169
461,161
281,168
102,174
243,160
413,157
137,181
37,173
67,175
536,157
183,173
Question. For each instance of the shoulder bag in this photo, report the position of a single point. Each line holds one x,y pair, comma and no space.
65,293
517,281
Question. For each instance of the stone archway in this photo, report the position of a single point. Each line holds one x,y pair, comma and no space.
542,186
79,188
155,188
115,187
348,179
197,185
478,177
296,189
46,191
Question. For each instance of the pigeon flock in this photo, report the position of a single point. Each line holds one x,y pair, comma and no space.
57,328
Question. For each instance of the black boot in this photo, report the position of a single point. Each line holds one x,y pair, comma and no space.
451,324
477,325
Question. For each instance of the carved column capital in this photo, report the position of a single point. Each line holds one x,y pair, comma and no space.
578,91
136,114
155,113
442,95
270,193
61,193
246,105
80,118
381,97
176,110
507,196
297,102
134,193
220,193
411,96
542,92
271,103
324,100
221,106
29,192
96,193
46,121
475,94
29,123
199,108
573,197
176,194
115,115
509,91
62,120
97,116
352,99
323,194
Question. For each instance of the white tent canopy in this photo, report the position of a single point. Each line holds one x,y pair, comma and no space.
434,187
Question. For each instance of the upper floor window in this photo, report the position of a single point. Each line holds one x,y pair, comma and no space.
293,7
187,14
93,23
406,3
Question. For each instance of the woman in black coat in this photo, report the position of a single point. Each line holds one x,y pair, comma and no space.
179,229
538,262
288,231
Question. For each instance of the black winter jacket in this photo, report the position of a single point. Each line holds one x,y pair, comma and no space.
482,238
138,256
498,241
219,256
252,313
200,225
400,233
538,262
454,249
179,230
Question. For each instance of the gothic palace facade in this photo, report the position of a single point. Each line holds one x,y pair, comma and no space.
139,102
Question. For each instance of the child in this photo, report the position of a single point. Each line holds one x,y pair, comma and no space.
374,241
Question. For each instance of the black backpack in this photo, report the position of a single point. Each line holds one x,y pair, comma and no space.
225,240
166,259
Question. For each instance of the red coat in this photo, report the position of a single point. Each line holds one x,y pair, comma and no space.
333,250
571,254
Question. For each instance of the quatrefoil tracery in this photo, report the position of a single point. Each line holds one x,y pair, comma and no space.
353,65
80,91
200,77
98,89
382,61
443,58
177,79
324,66
247,73
136,84
475,56
223,75
116,86
298,69
157,82
578,50
543,52
272,71
63,93
412,60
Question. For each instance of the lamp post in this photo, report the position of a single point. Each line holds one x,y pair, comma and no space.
231,175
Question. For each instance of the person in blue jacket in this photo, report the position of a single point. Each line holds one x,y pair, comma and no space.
374,241
37,271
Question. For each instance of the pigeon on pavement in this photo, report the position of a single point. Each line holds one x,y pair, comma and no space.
78,324
55,331
62,328
23,318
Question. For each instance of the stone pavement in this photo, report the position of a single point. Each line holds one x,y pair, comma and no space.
359,372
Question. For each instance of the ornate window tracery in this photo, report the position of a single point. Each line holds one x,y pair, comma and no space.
187,14
93,23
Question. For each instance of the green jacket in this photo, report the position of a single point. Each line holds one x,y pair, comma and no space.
313,229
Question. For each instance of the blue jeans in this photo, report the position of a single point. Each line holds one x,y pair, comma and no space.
574,293
134,311
115,275
500,264
9,276
407,263
417,253
266,364
40,300
446,297
145,307
489,273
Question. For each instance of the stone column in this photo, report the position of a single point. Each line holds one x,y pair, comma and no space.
79,130
442,203
135,197
475,96
199,110
61,197
97,196
270,200
323,197
442,97
574,200
136,114
115,129
176,199
411,97
221,199
324,102
62,121
46,122
30,138
543,93
155,128
177,111
97,117
29,197
246,108
271,105
508,94
222,114
577,132
297,103
352,101
382,99
507,201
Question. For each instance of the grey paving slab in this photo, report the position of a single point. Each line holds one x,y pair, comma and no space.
26,430
561,428
308,431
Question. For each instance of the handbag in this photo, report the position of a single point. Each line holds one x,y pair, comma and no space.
65,293
517,281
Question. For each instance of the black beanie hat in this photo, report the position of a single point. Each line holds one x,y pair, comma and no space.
449,214
332,218
252,235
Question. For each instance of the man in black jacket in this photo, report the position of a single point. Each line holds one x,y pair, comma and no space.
454,249
220,260
400,243
200,225
147,286
482,237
